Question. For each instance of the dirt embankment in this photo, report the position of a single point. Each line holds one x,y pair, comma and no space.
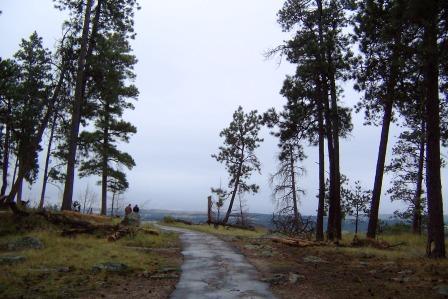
343,272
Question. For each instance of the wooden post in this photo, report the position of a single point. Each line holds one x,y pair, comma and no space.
209,212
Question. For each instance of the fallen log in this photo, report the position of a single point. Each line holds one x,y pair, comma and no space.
229,225
75,231
77,225
148,231
128,230
183,221
120,233
295,242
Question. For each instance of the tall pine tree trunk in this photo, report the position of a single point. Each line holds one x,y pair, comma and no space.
331,230
387,119
112,207
76,114
293,187
234,192
328,124
47,163
235,188
320,209
14,174
337,218
105,161
21,169
376,194
436,236
6,149
417,213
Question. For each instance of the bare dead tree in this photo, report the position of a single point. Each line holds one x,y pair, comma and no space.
88,200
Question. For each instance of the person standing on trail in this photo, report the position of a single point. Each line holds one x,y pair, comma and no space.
136,209
128,210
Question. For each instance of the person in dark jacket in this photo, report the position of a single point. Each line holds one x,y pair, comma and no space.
136,209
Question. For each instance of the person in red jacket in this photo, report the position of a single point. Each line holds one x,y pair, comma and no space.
128,210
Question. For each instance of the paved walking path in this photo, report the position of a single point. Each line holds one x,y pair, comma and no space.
212,269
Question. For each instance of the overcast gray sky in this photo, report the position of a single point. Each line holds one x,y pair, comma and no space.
199,60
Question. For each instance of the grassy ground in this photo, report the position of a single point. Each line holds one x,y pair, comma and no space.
220,230
64,266
404,245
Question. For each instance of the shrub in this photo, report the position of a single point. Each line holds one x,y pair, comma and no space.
168,219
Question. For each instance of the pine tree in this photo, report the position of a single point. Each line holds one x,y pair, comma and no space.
100,17
63,87
429,16
33,91
381,30
408,169
356,201
112,68
238,153
321,50
9,72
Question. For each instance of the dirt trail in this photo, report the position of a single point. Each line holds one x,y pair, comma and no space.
212,269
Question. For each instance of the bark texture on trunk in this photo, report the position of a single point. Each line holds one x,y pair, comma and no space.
321,205
387,118
234,192
76,114
47,163
294,194
331,229
417,213
105,166
436,236
337,218
376,194
6,149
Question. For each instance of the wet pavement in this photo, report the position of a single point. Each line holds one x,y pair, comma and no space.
213,269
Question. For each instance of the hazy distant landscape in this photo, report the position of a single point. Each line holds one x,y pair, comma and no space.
258,219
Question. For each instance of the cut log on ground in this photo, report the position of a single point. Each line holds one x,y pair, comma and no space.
72,222
148,231
295,242
229,225
120,233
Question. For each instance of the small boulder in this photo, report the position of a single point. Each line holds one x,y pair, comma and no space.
165,276
7,260
25,243
110,267
294,277
267,253
406,272
168,270
313,259
442,289
401,279
365,264
64,269
276,279
252,246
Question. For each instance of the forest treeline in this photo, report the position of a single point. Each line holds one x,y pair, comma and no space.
68,103
395,52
